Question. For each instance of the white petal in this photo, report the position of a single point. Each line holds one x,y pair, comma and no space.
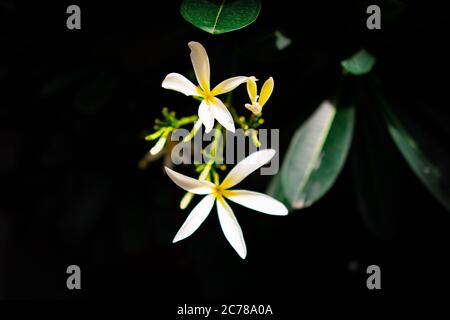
255,108
231,228
195,218
200,62
189,184
257,201
206,116
158,146
228,85
222,114
248,165
178,82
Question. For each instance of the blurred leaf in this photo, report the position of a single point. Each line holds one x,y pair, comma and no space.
267,46
433,173
375,174
360,63
392,10
223,16
281,41
316,155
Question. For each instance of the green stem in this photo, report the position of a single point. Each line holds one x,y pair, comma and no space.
187,120
234,114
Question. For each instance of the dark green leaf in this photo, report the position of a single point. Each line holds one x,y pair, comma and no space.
360,63
316,155
275,189
432,171
376,176
218,17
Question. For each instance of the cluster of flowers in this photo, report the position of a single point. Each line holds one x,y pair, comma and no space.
215,192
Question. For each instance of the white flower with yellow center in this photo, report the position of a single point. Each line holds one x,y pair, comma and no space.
257,102
216,193
211,107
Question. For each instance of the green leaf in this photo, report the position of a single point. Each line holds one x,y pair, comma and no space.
316,155
430,170
360,63
218,17
275,189
281,41
267,46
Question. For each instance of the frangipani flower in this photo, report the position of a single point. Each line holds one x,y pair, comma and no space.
216,193
211,107
257,102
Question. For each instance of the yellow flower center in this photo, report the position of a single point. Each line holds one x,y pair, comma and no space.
207,95
218,191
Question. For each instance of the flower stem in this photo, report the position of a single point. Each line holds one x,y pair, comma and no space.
187,120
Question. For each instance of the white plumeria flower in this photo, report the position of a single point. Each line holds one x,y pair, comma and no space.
216,193
211,107
257,102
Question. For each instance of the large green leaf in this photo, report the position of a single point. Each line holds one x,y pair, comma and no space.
315,156
428,168
222,16
360,63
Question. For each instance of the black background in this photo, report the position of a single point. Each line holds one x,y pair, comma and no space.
76,104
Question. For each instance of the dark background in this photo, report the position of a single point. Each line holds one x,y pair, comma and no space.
75,106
